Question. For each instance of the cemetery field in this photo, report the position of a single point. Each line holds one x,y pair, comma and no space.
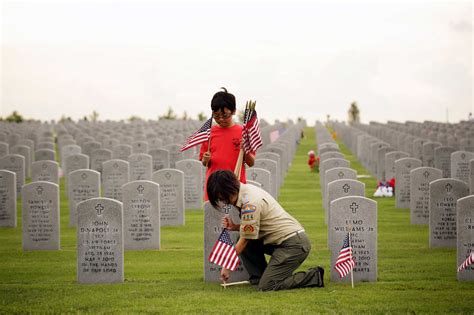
412,278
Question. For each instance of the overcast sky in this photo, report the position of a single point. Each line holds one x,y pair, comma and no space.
398,61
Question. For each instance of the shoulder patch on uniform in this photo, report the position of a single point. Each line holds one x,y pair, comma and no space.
247,216
245,199
248,228
248,208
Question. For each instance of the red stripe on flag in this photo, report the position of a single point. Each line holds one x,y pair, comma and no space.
224,253
466,263
344,263
200,136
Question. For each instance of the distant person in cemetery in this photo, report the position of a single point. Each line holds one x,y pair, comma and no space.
226,139
265,228
313,161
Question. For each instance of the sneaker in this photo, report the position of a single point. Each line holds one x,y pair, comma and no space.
254,281
321,276
318,278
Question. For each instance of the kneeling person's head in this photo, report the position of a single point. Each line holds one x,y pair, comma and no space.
222,186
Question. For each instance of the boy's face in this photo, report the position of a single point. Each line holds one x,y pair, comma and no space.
223,117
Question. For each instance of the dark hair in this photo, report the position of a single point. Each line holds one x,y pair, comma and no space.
222,100
222,185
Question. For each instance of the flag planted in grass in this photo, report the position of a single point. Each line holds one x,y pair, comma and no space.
345,262
200,136
223,253
469,260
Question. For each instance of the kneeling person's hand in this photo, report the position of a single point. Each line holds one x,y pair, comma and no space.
225,274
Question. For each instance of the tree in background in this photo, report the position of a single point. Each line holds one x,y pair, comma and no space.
64,118
170,115
94,116
14,117
185,116
353,113
134,118
201,116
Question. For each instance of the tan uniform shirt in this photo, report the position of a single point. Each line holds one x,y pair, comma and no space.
262,217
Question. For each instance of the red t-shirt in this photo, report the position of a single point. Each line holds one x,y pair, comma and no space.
225,148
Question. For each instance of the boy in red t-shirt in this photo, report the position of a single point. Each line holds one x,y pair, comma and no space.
226,139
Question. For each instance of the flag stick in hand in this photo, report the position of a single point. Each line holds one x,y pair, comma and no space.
249,109
238,165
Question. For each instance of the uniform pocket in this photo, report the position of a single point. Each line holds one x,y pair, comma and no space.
305,243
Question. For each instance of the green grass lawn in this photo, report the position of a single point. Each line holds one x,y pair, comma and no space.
411,277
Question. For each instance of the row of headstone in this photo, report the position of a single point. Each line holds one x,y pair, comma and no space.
431,197
165,157
115,175
273,160
41,202
449,162
104,229
85,184
117,172
15,163
67,145
372,143
40,213
347,210
27,151
401,135
102,141
46,170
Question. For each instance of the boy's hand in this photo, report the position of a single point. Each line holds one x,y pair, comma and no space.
206,158
225,274
227,223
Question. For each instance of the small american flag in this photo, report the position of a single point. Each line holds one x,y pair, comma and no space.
469,260
200,136
223,253
251,131
345,263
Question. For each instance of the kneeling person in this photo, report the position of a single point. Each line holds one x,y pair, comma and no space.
265,228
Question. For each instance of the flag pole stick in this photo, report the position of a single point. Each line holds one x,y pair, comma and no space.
225,282
350,244
234,283
238,165
209,140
